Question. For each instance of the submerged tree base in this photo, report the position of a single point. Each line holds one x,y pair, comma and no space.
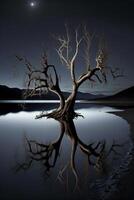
60,115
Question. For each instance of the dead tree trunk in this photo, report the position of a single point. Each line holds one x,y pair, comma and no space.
68,110
46,78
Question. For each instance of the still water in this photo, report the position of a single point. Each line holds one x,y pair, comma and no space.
79,153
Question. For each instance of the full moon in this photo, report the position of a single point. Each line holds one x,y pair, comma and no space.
33,4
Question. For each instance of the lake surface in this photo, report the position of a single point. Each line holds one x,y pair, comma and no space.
24,171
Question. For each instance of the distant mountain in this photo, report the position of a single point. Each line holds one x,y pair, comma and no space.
7,93
127,94
86,96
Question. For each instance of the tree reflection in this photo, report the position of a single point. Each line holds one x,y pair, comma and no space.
47,154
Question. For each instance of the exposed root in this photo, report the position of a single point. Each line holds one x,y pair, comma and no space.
60,115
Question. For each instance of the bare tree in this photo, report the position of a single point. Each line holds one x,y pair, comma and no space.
46,78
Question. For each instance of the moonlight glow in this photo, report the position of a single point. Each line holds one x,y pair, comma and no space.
33,4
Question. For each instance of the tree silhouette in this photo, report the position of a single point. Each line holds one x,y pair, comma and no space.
46,78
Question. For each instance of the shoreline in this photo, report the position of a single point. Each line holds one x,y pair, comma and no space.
125,189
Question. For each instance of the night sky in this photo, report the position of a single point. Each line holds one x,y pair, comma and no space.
26,29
